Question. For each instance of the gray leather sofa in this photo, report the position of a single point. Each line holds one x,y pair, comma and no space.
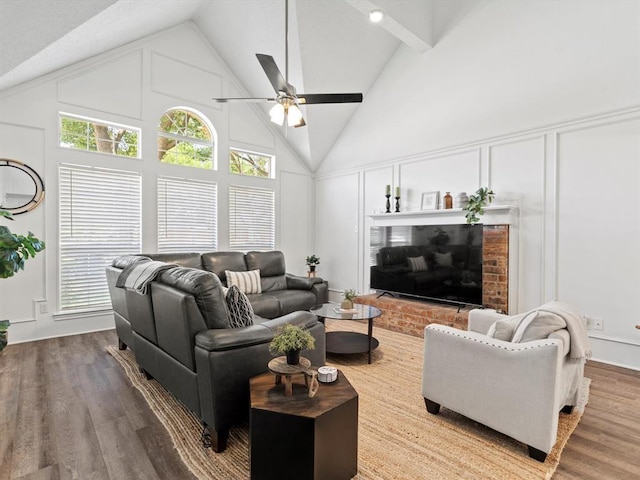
179,333
282,292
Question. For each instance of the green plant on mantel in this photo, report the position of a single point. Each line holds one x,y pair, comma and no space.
475,207
15,250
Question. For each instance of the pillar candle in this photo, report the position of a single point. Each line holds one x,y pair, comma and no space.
397,191
388,189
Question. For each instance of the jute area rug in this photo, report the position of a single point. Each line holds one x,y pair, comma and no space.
398,438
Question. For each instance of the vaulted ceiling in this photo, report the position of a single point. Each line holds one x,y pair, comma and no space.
332,45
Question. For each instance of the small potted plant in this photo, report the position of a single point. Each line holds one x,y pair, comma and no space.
475,207
290,340
349,296
312,261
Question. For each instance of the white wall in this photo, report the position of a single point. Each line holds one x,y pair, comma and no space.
541,102
134,85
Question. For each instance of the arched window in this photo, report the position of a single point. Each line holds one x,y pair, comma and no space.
186,138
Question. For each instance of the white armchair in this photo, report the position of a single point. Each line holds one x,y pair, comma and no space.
515,388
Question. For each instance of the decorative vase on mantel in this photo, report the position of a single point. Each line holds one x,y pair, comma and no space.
461,200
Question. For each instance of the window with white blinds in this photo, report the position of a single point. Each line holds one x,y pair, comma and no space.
251,219
100,219
187,215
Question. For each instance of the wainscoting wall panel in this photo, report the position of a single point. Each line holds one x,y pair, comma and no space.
516,172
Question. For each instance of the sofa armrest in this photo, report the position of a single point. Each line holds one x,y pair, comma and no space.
221,339
297,282
481,319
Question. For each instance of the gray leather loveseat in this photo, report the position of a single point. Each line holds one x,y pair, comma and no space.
180,334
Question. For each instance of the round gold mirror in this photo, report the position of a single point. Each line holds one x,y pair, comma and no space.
21,188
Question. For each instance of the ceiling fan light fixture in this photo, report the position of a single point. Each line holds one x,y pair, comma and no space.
277,114
294,116
376,15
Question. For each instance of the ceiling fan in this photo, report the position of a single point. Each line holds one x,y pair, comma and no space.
287,100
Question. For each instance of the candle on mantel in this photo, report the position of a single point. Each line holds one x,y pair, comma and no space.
388,189
397,191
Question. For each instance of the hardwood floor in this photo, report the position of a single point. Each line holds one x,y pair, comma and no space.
67,411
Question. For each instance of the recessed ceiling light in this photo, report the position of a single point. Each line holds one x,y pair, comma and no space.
376,15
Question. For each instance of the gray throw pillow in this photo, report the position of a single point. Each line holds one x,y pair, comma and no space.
240,309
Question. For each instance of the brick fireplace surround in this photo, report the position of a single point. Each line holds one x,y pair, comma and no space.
411,316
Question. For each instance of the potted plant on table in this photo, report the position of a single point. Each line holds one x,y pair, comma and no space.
15,250
349,297
290,340
312,261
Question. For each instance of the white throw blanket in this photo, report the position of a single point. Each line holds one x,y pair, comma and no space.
137,276
580,349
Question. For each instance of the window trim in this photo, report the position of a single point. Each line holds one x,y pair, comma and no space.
272,165
214,137
107,123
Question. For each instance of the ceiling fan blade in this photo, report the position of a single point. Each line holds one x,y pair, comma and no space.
227,100
301,123
273,73
310,98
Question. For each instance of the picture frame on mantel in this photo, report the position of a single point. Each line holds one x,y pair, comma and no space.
430,201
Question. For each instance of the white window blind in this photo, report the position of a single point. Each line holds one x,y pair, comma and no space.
100,219
187,215
251,219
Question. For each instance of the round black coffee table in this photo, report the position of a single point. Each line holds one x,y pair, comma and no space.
349,342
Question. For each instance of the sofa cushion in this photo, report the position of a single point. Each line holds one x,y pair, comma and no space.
294,300
264,305
205,288
277,282
219,262
247,282
270,264
240,310
417,264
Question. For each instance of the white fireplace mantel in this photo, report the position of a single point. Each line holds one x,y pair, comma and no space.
493,215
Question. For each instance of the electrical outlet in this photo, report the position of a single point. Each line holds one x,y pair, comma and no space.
598,323
43,307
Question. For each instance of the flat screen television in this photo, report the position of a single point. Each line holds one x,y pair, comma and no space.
431,262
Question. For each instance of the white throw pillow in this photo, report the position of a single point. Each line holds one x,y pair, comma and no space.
417,264
247,282
504,329
538,327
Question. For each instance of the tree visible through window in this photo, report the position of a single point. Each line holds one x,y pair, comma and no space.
250,163
184,138
95,136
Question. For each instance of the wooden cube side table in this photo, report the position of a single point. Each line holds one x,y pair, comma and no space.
298,437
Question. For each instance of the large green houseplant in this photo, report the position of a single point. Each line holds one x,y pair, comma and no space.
15,250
